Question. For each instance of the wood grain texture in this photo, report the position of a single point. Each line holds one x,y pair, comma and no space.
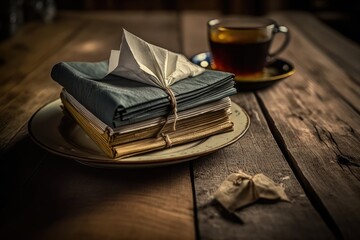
256,152
30,47
316,129
319,131
341,50
320,65
50,197
154,26
66,200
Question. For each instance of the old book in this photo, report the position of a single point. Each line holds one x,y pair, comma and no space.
143,137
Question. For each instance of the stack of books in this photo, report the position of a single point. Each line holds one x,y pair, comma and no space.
145,98
132,139
126,117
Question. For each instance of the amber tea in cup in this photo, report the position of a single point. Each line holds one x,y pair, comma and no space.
241,45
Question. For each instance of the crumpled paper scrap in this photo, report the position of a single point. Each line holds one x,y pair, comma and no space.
240,189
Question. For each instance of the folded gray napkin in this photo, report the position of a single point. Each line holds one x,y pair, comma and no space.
118,101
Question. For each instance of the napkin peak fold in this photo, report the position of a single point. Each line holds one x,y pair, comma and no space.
144,62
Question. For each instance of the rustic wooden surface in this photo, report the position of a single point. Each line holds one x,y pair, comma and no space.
304,134
55,198
313,117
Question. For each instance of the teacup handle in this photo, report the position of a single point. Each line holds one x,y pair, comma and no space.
284,30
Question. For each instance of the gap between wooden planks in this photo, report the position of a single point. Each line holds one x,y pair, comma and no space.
317,127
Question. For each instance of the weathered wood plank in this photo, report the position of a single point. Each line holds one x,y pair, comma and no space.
30,47
340,49
319,131
256,152
321,65
66,200
145,24
60,199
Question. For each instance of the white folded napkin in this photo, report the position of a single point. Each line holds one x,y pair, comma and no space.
141,61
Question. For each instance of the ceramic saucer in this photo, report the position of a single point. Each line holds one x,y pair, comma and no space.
273,73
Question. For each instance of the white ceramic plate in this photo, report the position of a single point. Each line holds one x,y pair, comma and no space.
58,134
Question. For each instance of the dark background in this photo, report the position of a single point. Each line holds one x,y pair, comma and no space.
342,15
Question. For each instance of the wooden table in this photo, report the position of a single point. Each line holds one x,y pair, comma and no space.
305,134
